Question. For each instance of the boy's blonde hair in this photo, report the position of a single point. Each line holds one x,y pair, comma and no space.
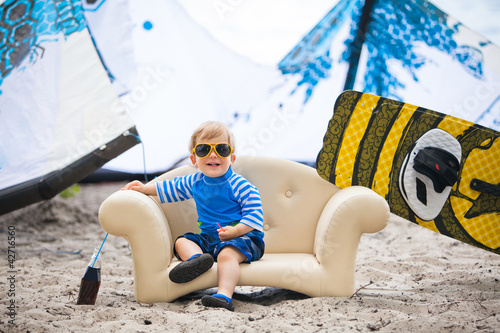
209,130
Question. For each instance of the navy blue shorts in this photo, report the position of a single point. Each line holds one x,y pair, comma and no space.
250,244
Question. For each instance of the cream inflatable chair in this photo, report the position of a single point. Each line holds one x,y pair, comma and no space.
312,231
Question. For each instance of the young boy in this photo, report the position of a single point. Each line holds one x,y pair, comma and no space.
229,214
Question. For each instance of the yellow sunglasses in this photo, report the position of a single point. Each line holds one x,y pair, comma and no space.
202,150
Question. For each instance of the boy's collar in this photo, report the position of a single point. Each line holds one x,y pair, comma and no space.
221,179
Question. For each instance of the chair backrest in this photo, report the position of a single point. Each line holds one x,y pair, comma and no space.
293,196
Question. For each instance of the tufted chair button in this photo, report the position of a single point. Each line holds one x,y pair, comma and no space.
266,227
288,194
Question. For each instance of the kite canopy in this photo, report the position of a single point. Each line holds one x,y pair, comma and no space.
405,50
60,118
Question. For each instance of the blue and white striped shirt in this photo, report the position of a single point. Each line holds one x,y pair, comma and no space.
224,200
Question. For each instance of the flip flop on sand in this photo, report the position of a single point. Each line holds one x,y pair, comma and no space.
218,301
192,268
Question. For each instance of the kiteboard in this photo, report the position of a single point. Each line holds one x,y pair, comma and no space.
435,170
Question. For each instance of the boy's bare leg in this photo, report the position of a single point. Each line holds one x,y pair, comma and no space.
186,248
228,269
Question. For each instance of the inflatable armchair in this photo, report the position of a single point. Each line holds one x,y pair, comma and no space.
312,231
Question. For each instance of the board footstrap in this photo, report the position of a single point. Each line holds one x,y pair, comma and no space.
484,187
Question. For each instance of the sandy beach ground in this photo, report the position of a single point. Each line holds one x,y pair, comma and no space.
408,278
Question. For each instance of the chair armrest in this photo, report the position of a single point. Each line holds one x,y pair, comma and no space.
139,219
349,213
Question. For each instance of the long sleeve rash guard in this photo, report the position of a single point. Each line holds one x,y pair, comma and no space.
225,200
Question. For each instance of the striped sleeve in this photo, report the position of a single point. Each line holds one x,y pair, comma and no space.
177,189
249,199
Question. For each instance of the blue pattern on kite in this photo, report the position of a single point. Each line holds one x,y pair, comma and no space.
310,58
26,24
394,31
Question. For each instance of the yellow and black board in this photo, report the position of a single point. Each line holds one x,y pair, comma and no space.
368,139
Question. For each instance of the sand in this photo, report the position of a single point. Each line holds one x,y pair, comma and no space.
408,279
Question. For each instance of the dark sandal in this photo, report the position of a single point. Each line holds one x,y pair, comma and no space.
192,268
217,302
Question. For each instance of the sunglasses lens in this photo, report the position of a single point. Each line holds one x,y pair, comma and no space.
202,150
224,150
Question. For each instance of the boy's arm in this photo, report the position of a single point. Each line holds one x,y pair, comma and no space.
177,189
251,209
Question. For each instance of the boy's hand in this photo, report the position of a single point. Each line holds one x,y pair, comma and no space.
148,189
229,232
136,186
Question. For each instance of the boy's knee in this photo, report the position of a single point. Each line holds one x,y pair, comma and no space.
184,240
230,253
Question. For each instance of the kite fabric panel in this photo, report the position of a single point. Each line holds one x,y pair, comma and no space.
60,118
411,51
110,25
429,58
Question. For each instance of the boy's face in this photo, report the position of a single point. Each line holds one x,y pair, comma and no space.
213,165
